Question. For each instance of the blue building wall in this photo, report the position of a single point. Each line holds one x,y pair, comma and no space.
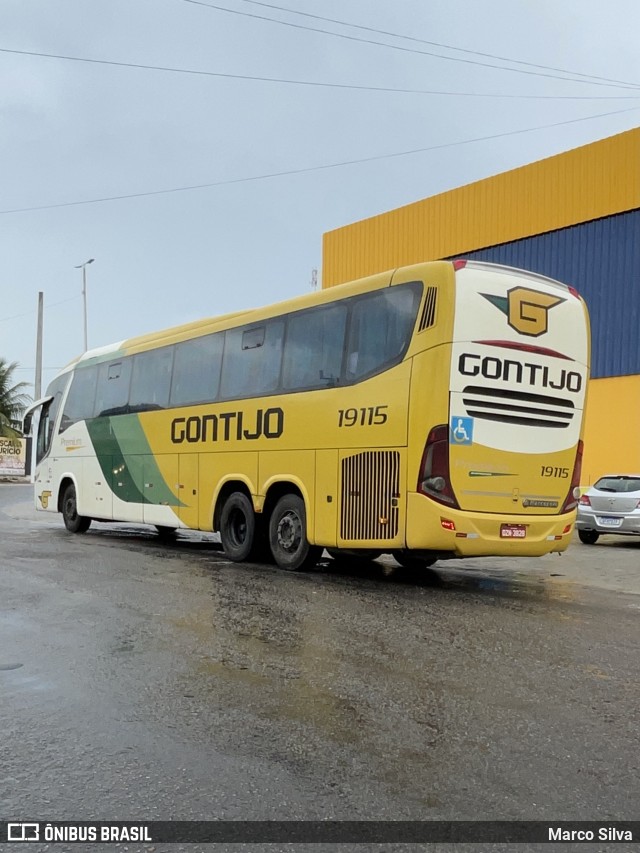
601,259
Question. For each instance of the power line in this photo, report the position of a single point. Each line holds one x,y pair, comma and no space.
308,169
31,313
316,83
433,43
401,48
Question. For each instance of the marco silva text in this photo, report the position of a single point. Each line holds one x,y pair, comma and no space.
603,833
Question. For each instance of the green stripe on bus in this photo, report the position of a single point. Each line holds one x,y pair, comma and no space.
125,457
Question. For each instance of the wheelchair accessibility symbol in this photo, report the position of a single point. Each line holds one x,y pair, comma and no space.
461,431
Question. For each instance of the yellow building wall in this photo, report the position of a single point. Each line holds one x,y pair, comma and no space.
586,183
612,428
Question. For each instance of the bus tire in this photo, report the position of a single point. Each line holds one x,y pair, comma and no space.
290,547
72,521
412,561
588,537
166,533
237,527
360,557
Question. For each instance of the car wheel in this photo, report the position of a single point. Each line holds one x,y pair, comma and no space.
588,537
290,547
72,521
237,527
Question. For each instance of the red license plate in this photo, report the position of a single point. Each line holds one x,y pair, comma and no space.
513,531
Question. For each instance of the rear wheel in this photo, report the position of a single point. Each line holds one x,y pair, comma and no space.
72,521
290,547
355,558
588,537
237,527
413,561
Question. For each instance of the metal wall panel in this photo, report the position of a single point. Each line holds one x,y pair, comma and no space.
587,183
610,434
602,260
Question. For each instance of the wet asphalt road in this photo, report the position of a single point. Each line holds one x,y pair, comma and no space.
153,681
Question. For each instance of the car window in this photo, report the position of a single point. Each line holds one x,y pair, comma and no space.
618,484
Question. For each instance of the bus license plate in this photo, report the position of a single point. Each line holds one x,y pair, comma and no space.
513,531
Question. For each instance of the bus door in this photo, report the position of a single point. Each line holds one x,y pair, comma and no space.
187,489
327,498
160,484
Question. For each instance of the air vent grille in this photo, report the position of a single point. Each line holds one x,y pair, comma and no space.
428,316
517,407
370,489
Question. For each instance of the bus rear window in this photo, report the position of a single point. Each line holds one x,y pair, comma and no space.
380,329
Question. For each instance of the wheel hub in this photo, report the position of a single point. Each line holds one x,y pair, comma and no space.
289,532
238,527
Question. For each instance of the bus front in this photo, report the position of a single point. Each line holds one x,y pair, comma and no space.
500,475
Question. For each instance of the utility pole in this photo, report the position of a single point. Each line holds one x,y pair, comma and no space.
314,279
38,382
83,267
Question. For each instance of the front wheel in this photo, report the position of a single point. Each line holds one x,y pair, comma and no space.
588,537
166,533
72,521
237,527
290,547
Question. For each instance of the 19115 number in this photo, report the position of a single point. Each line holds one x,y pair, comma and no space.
550,471
369,416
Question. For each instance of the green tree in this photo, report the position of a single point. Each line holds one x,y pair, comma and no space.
13,398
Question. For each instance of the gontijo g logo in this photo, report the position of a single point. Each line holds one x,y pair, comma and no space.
527,310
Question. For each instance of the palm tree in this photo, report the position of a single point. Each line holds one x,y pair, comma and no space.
12,399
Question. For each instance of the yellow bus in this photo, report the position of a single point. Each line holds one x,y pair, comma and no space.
428,412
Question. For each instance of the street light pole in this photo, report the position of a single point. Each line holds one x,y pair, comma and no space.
83,267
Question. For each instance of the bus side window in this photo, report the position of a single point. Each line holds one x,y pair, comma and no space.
196,370
151,380
380,329
251,369
313,348
81,397
112,394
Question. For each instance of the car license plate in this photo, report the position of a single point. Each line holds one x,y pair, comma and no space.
609,521
513,531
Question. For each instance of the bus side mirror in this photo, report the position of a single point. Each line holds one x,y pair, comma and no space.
26,424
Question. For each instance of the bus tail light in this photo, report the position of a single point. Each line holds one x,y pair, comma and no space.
573,496
434,480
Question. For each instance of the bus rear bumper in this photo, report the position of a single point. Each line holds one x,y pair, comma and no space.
435,527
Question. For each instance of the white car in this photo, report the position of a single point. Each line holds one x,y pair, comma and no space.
612,505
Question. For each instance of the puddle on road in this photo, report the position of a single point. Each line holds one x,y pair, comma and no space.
203,552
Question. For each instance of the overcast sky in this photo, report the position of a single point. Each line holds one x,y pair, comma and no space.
75,131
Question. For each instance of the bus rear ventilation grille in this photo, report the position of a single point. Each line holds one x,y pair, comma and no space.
370,488
517,407
428,316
